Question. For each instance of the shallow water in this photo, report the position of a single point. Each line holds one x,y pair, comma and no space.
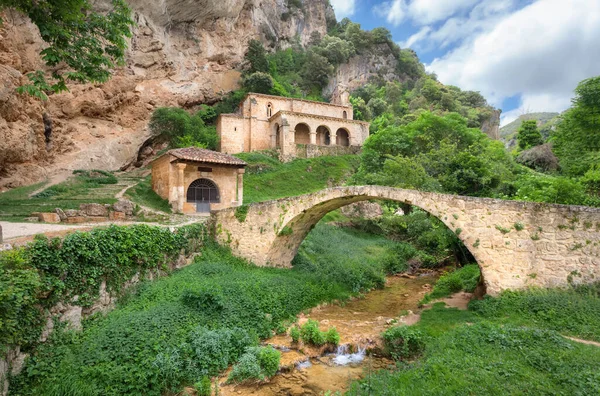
308,370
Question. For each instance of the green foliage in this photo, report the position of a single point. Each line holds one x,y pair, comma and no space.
425,240
552,189
268,179
85,43
256,57
48,271
332,336
403,342
96,176
181,129
258,82
335,49
143,194
576,139
258,363
203,387
166,333
462,160
241,212
310,333
295,334
528,135
574,311
316,71
462,279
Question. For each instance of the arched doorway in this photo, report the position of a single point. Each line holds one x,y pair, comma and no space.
323,136
302,134
203,192
342,137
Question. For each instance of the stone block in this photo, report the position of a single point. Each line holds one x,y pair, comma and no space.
94,209
117,216
61,214
75,220
96,219
124,206
73,213
49,218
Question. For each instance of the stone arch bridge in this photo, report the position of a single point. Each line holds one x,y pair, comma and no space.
517,244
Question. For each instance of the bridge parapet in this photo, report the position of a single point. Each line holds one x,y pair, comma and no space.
517,244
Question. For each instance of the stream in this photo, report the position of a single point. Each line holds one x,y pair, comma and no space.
306,370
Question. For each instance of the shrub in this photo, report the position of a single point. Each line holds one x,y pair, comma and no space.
332,336
403,342
203,387
295,334
258,363
311,334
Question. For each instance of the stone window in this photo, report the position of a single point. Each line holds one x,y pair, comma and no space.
203,190
269,110
345,115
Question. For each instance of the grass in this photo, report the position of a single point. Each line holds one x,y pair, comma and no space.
82,187
267,178
508,345
143,194
173,331
462,279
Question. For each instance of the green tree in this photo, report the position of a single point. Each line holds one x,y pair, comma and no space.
256,57
82,45
528,135
181,129
316,71
577,136
258,82
335,49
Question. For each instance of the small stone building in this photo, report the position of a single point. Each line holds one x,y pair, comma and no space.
295,127
196,180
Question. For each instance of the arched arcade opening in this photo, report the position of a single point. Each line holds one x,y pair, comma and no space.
302,134
342,137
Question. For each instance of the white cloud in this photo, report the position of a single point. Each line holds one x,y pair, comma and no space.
343,8
393,11
417,37
541,51
429,11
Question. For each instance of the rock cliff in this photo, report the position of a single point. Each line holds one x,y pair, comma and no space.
182,53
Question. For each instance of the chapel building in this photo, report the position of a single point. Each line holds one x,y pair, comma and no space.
294,127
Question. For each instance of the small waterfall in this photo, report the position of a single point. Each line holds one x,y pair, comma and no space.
343,357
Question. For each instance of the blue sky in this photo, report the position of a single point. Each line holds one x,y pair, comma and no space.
522,55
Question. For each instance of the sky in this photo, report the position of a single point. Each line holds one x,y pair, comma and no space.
524,56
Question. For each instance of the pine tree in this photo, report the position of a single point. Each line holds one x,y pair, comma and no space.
529,135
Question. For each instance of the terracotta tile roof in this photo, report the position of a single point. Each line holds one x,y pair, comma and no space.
203,155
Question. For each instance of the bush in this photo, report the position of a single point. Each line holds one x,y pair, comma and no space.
258,363
203,387
311,334
181,129
295,334
403,342
332,336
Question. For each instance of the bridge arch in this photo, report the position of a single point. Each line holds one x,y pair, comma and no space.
516,244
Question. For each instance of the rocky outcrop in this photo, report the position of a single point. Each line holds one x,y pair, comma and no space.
182,53
491,126
380,62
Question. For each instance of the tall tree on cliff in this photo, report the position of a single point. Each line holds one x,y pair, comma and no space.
83,45
257,57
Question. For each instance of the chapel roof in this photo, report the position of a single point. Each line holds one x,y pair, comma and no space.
203,155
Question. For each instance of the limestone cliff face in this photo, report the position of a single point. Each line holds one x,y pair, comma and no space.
182,53
491,126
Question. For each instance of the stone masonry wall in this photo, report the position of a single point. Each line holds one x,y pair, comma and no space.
517,244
